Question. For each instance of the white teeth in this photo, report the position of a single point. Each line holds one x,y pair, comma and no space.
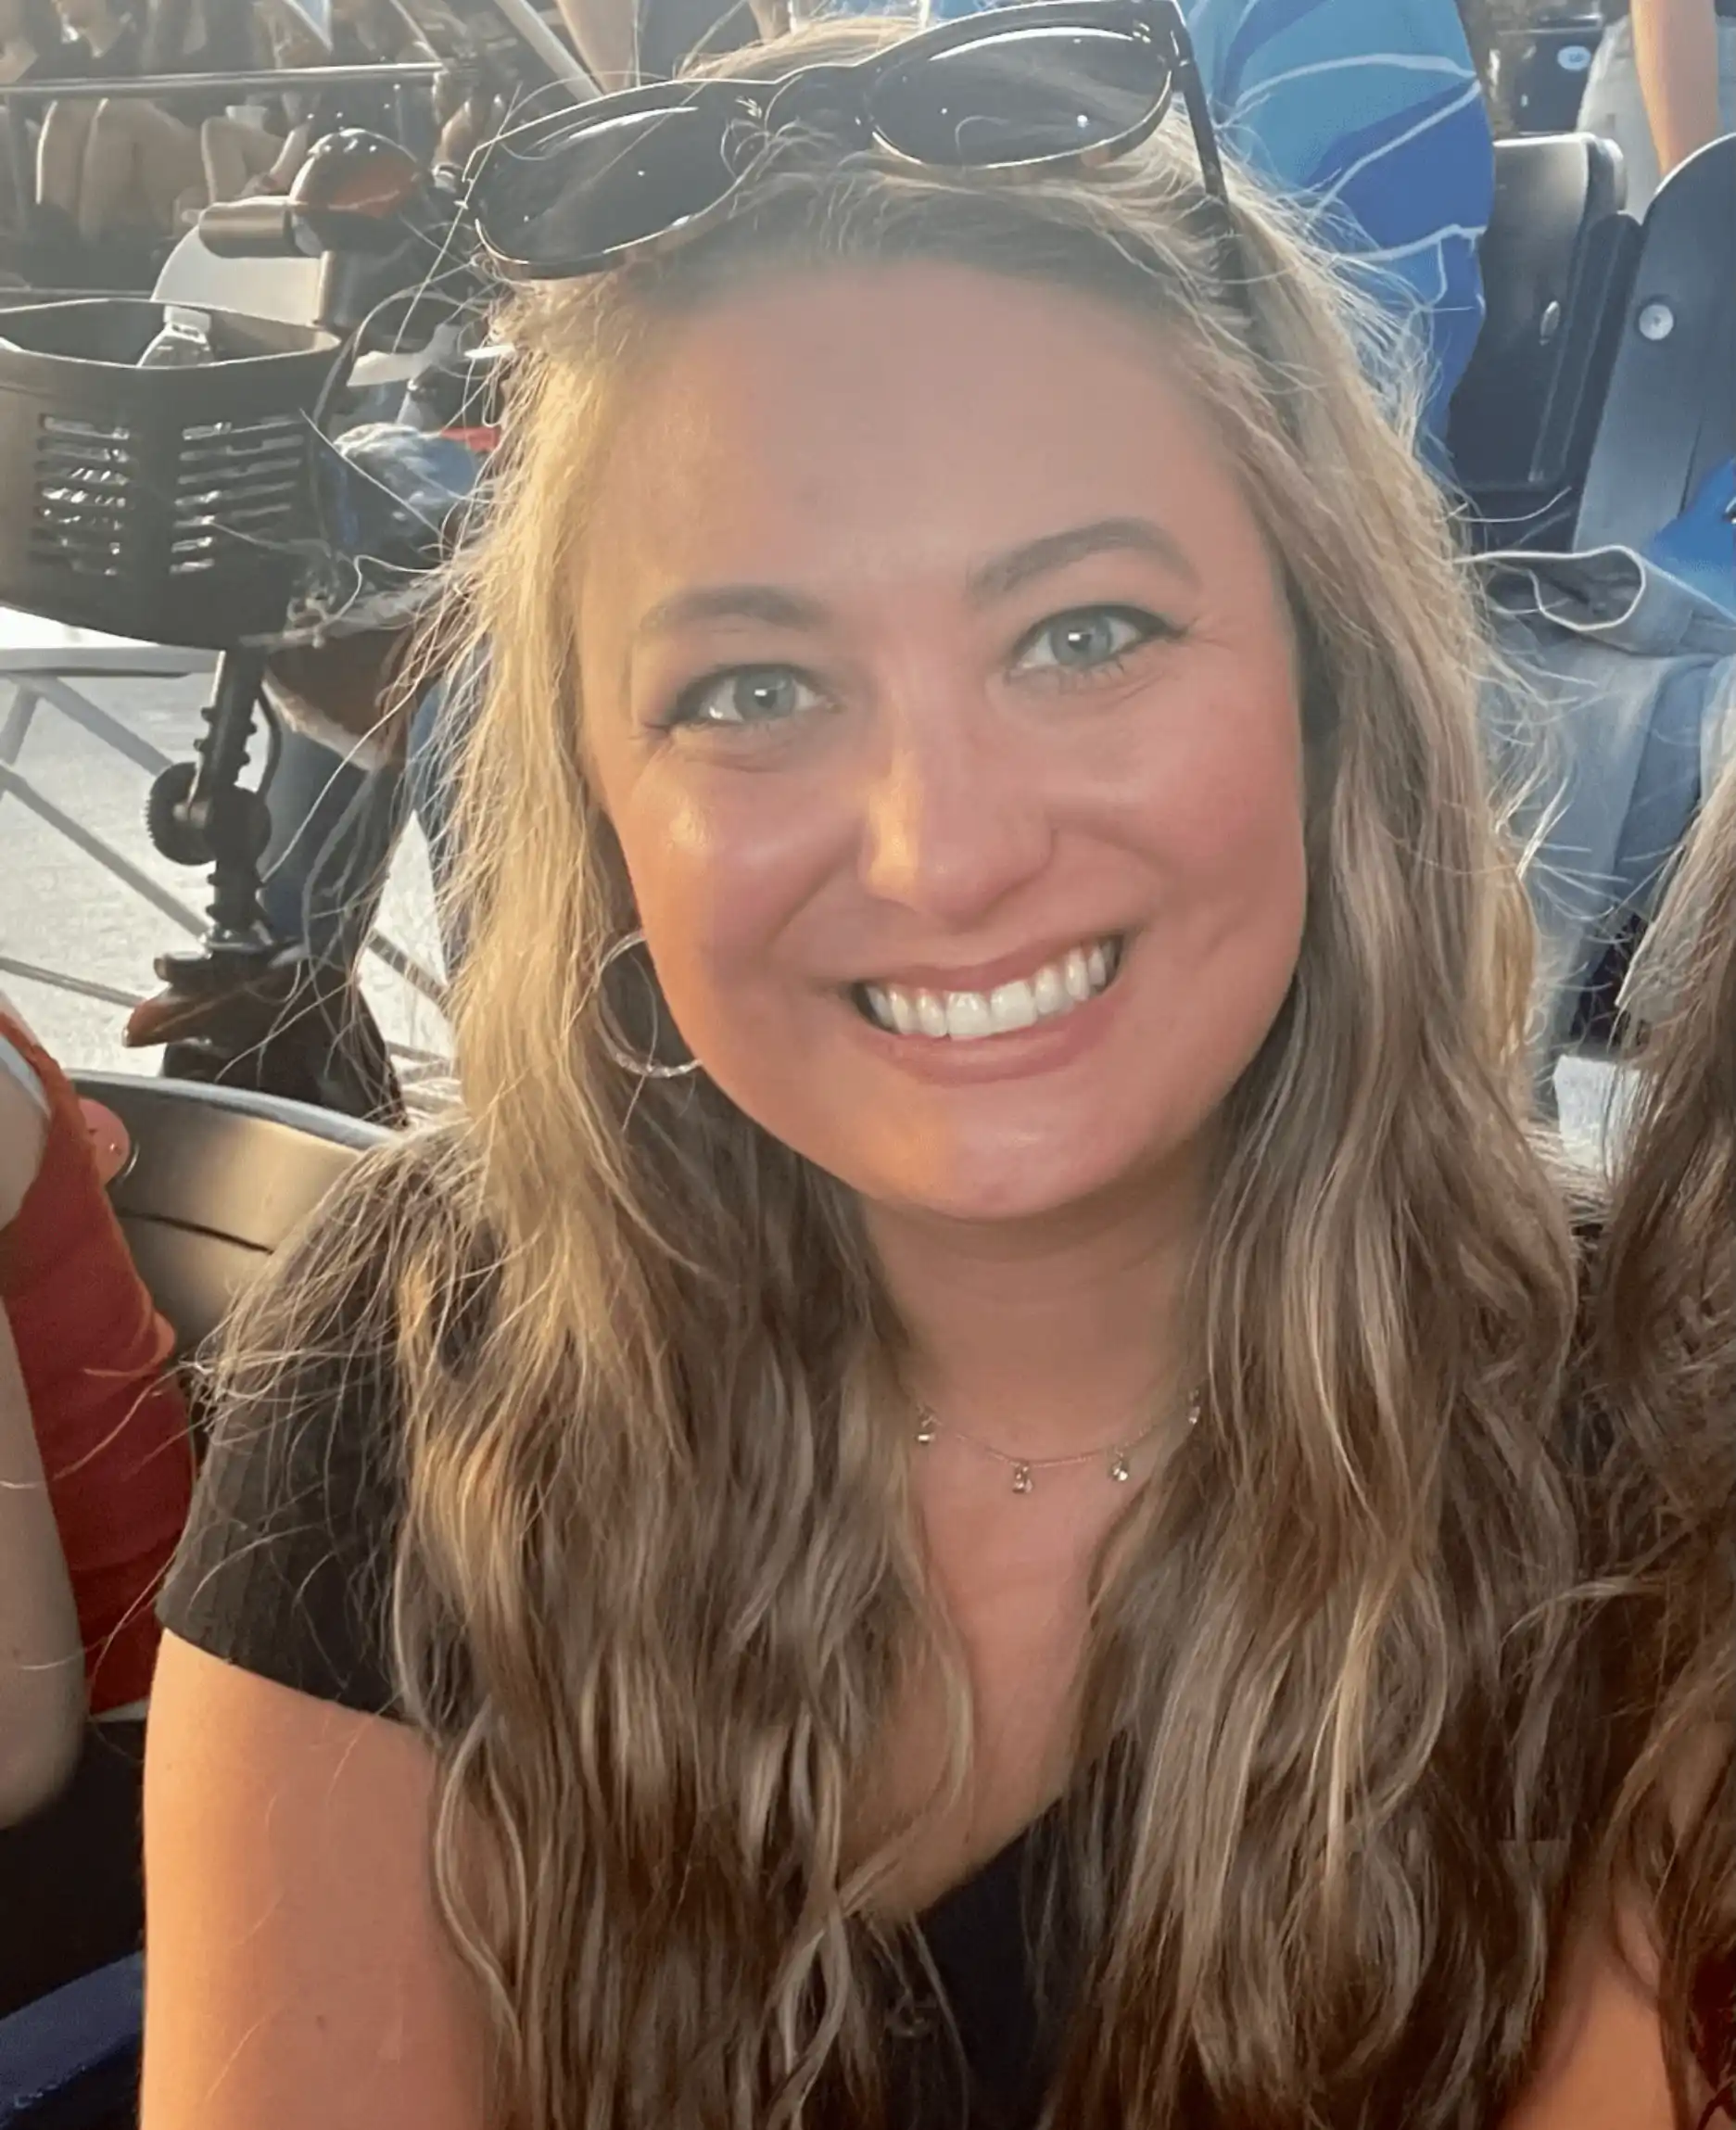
1050,992
1012,1006
969,1016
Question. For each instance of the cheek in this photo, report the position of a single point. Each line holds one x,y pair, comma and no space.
1227,835
716,878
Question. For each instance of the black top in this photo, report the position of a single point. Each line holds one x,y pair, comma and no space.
75,61
217,37
672,32
323,111
284,1571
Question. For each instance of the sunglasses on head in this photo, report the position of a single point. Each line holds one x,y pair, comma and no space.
1058,84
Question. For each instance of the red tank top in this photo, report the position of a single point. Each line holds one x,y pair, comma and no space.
111,1425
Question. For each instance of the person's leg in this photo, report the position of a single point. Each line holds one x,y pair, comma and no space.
234,152
429,765
311,793
139,165
333,828
1613,108
14,163
60,156
438,733
343,893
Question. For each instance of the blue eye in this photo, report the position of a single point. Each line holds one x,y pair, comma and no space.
745,695
1089,640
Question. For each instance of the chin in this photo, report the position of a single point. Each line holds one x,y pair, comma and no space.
1013,1185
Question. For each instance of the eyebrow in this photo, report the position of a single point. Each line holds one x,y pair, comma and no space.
775,606
1007,573
769,604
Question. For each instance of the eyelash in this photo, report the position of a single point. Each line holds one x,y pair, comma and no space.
1151,627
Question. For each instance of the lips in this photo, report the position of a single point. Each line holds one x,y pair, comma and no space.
1048,993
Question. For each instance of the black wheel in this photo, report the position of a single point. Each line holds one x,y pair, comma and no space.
170,831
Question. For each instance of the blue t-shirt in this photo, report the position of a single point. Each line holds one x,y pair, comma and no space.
1371,112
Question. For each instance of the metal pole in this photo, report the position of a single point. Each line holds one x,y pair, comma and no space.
243,80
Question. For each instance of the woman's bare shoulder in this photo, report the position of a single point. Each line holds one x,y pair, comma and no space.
300,1975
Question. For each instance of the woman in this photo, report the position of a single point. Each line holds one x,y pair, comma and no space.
247,155
94,1443
32,49
1036,1435
42,1686
143,169
30,41
102,43
1663,84
1666,1320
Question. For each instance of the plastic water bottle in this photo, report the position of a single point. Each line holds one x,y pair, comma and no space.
185,339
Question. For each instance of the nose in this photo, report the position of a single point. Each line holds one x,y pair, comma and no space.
956,818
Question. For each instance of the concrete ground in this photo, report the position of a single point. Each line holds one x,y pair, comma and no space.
58,907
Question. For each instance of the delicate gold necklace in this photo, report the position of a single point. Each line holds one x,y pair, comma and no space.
1117,1456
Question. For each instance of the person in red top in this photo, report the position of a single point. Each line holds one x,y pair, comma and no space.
95,1478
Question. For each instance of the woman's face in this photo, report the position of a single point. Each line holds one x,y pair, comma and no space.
942,697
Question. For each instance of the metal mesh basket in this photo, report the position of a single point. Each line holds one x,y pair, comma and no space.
174,505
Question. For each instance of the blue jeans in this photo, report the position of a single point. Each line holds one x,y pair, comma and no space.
334,829
334,826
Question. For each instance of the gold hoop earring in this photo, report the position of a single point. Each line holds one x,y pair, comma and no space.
640,1068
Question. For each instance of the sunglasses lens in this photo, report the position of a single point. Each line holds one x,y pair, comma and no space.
557,198
1023,97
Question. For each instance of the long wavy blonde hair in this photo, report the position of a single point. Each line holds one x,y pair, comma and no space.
1663,1360
657,1582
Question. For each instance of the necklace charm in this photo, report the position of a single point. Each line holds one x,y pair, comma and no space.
1116,1458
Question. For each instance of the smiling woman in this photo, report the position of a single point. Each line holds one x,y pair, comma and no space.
949,1495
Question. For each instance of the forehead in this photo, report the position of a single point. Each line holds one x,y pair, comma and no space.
879,417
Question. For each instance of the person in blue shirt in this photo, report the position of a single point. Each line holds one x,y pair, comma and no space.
1372,114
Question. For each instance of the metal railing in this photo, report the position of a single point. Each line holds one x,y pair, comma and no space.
33,690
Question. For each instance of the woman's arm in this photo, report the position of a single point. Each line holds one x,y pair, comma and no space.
42,1663
1676,55
299,1978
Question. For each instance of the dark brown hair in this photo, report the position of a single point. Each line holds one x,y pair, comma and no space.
1664,1353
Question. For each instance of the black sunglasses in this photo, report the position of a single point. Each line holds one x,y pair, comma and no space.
1058,84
